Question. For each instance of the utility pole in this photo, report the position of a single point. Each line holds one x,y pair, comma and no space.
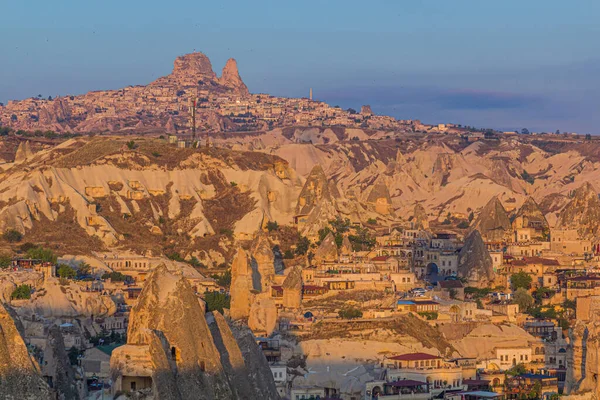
193,115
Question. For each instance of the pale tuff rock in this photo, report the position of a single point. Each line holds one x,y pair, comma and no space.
420,220
317,189
241,286
327,250
263,262
19,374
530,215
582,212
346,248
583,354
63,375
366,110
379,198
263,315
23,152
292,288
170,341
190,68
474,261
230,77
493,222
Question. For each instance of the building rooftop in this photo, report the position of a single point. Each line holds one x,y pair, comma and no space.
415,357
406,383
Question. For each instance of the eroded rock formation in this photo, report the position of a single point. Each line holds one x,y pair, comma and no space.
171,349
582,212
474,261
230,77
19,375
241,286
493,222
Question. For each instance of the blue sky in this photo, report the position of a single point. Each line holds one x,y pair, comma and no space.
505,64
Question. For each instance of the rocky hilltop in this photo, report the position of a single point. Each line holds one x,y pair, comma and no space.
172,347
110,192
161,105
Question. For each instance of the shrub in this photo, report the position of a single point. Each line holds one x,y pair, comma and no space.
288,254
463,225
429,315
233,184
115,276
523,299
5,260
223,279
272,226
175,256
216,301
350,313
302,245
156,154
66,272
12,236
21,292
40,253
372,221
131,145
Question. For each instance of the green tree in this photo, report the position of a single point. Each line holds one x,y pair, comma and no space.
12,236
272,226
518,369
520,280
21,292
523,299
223,279
361,240
350,313
73,355
216,301
115,276
83,269
471,216
40,253
5,260
66,272
302,245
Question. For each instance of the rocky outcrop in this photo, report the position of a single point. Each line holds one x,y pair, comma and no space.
419,218
327,250
366,110
346,248
263,262
230,78
190,68
583,354
23,152
263,315
19,375
530,216
292,288
317,189
241,286
474,261
63,375
242,360
493,222
582,212
170,342
379,198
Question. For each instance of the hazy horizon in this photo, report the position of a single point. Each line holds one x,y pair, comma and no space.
505,66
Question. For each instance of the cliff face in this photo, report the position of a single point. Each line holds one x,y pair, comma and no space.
19,375
582,212
170,340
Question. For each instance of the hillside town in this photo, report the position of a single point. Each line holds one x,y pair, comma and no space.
190,240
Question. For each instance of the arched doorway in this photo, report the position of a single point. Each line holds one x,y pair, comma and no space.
432,271
376,392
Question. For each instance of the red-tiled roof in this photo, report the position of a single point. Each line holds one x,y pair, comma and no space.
415,357
519,263
540,260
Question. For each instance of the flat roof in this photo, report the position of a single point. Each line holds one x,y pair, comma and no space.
415,356
406,383
484,394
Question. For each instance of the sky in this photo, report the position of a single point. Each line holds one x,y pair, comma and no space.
506,65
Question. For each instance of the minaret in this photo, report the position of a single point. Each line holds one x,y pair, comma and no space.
310,94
